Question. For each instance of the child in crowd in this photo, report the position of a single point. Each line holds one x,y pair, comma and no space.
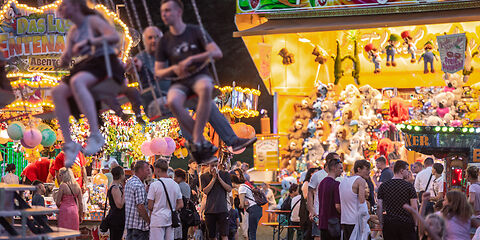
37,199
233,223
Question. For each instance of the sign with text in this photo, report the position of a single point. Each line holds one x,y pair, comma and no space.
266,153
452,52
252,6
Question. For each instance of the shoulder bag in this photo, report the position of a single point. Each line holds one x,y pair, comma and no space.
175,218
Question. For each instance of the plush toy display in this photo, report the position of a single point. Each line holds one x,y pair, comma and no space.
428,57
454,84
373,56
398,110
408,41
391,49
444,103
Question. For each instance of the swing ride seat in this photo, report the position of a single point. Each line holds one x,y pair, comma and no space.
6,97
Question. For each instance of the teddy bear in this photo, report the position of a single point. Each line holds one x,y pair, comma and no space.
314,149
311,127
384,147
356,150
434,121
473,113
453,84
398,110
341,141
349,92
328,106
302,110
444,105
371,95
299,129
323,131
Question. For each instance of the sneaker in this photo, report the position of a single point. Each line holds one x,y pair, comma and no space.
71,151
202,153
94,144
242,143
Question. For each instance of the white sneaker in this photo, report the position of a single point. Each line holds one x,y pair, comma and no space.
94,144
71,151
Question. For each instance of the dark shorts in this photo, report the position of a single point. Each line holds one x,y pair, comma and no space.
399,231
186,85
97,67
217,223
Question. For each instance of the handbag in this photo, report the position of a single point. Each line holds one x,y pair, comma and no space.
175,218
105,224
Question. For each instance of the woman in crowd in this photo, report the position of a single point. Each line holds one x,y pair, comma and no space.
117,204
247,202
69,201
457,213
85,41
10,177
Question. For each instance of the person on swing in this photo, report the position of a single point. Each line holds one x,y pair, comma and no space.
89,31
184,49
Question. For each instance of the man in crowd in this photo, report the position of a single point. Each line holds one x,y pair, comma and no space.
179,177
186,38
392,195
385,172
137,220
474,189
38,170
312,200
192,179
159,204
216,185
245,168
353,197
423,181
78,168
416,168
329,199
436,191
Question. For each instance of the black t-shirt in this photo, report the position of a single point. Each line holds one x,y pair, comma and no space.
386,175
176,48
217,197
394,194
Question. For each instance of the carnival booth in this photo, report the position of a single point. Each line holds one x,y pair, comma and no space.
349,72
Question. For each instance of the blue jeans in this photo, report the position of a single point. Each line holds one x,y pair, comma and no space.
135,234
220,124
254,214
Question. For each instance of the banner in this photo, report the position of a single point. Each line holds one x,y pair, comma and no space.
452,52
252,6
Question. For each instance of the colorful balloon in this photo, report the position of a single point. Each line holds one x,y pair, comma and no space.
15,130
145,149
171,145
25,145
32,137
48,137
100,179
43,126
158,146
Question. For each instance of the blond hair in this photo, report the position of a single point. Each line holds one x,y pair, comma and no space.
66,175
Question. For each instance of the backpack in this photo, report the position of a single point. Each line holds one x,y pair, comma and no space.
259,197
188,214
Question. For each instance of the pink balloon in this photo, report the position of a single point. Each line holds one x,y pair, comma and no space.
32,137
145,149
25,145
171,145
230,149
158,146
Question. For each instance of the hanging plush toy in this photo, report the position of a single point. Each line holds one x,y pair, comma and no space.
391,49
408,41
373,56
288,58
398,110
428,57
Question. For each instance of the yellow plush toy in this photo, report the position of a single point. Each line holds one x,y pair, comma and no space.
473,113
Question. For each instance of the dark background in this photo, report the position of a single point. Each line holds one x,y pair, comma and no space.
218,17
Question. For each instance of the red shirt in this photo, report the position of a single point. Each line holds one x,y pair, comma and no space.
76,168
37,170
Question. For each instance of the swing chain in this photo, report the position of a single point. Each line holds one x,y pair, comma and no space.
149,17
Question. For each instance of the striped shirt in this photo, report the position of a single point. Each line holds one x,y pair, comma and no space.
135,193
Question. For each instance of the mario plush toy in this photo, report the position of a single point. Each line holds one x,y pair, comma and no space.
428,57
373,56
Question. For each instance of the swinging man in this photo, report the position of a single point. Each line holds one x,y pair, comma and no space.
144,62
184,49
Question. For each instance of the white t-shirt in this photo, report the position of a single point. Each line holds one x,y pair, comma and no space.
475,189
248,195
295,207
314,183
270,198
437,186
161,213
422,179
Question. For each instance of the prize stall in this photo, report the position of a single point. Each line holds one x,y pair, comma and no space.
359,77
